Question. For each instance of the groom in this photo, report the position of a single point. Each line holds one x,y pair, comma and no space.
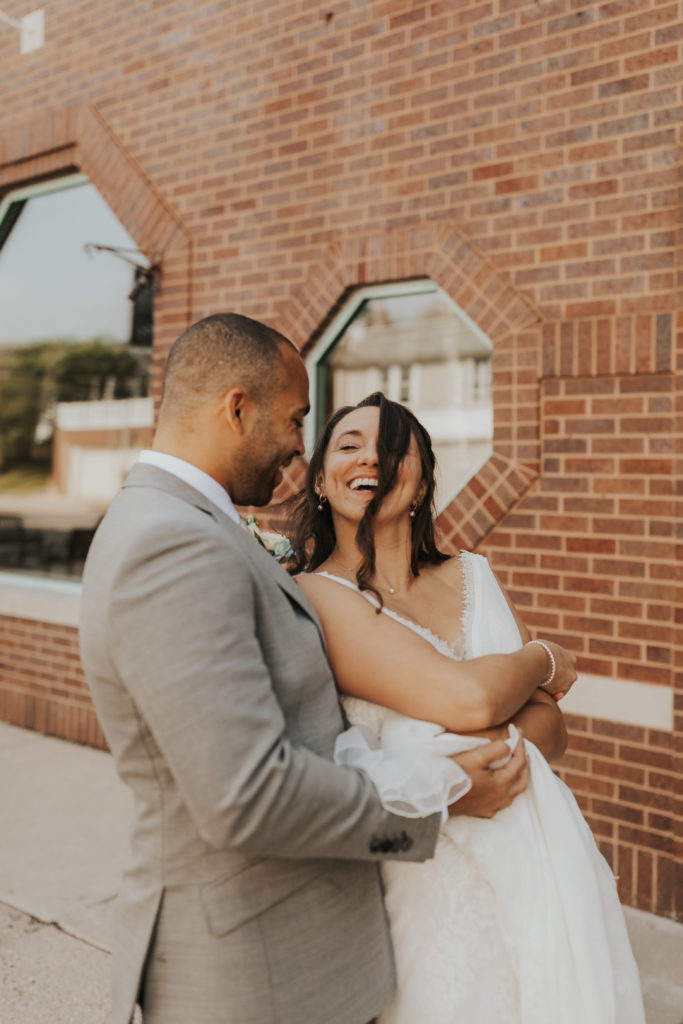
251,894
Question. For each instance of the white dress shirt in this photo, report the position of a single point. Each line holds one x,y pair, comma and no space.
193,476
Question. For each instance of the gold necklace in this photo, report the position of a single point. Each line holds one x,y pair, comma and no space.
384,586
388,586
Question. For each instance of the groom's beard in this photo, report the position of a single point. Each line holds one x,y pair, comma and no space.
258,472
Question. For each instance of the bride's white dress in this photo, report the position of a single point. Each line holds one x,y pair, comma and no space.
516,919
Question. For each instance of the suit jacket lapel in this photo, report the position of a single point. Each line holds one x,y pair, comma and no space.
142,475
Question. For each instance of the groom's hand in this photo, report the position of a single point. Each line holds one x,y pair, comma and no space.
492,789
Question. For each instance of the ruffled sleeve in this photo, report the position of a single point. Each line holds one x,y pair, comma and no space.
408,761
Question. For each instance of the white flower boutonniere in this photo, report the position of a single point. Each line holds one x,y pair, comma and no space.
276,544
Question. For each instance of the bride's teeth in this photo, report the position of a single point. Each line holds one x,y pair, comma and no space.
363,482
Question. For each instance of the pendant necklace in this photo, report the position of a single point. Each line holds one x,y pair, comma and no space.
385,586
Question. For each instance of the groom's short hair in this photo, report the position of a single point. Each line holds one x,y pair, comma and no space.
220,352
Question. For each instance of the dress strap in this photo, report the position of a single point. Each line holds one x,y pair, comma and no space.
350,586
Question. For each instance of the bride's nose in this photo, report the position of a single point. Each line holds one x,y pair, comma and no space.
367,455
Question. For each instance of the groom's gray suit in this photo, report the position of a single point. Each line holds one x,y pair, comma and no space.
251,895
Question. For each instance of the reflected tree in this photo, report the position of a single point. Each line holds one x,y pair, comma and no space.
36,377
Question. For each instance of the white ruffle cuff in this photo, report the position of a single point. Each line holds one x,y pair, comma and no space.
409,763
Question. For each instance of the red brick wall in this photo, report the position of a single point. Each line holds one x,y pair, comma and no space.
589,553
41,681
523,153
590,558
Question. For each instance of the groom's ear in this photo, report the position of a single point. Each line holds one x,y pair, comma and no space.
236,406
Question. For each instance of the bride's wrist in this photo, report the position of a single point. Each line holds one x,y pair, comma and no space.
552,668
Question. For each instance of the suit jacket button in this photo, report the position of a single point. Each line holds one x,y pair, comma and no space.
406,842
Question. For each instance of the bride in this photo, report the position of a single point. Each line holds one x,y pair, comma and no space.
516,919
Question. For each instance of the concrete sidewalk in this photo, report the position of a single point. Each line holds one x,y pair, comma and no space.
64,820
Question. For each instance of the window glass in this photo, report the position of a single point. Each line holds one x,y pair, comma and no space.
74,371
414,344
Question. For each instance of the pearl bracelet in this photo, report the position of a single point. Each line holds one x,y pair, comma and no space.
550,654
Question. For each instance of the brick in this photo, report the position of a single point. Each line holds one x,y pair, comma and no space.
618,770
521,184
672,33
594,747
577,20
642,838
623,85
491,171
619,811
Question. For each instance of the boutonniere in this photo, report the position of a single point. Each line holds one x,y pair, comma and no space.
275,544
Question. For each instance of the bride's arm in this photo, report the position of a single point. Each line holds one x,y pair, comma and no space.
541,722
378,659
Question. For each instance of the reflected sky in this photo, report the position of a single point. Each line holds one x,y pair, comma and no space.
49,286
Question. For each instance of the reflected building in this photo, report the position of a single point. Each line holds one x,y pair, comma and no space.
421,350
96,444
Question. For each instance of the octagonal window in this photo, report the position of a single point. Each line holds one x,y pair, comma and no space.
412,342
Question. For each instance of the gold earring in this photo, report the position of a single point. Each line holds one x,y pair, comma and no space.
321,502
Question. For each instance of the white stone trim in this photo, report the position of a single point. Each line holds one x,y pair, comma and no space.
621,700
40,599
41,189
614,700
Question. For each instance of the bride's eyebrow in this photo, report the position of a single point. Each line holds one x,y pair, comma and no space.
349,433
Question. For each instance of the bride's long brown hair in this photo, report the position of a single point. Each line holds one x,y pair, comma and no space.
315,539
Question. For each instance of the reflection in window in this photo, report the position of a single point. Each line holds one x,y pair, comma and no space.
414,344
74,371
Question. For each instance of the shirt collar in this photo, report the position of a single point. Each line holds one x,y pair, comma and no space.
193,476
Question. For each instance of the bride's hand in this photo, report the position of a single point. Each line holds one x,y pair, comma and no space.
492,789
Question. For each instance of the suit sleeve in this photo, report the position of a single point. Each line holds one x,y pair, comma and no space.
183,638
